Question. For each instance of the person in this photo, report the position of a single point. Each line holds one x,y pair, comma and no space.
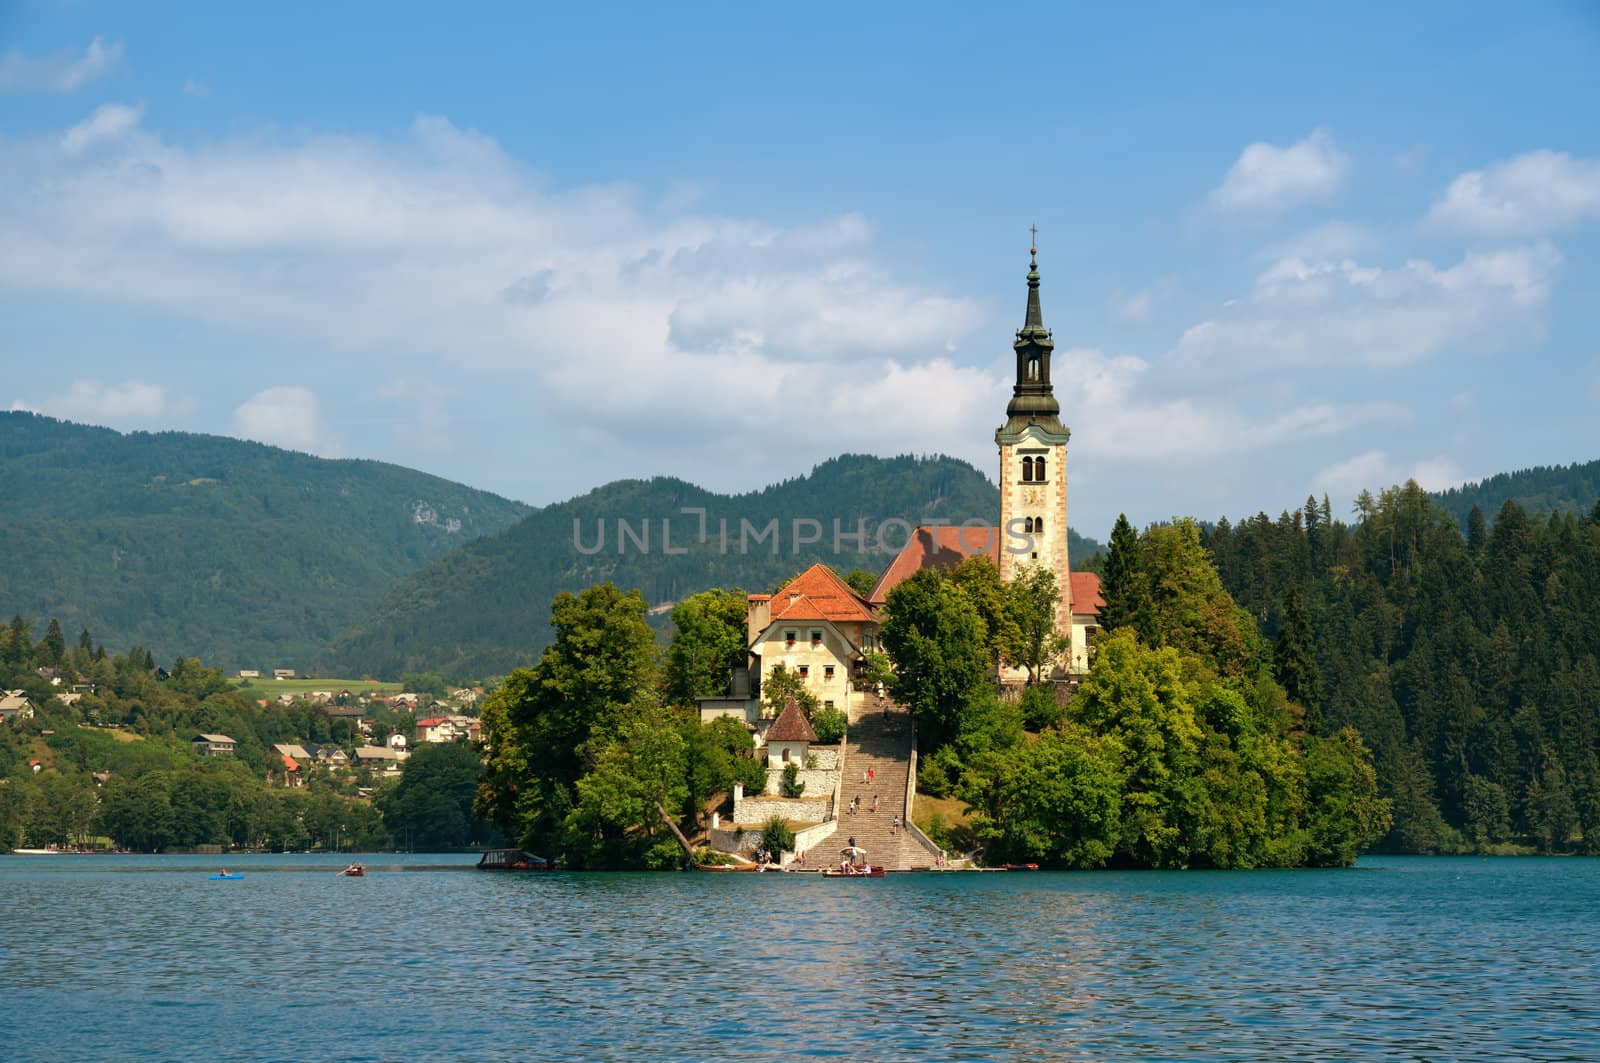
895,824
874,802
871,774
224,872
864,778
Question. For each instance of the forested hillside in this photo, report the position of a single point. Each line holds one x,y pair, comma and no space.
1469,663
245,554
1544,489
484,609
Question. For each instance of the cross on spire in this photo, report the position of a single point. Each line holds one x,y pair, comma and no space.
1033,244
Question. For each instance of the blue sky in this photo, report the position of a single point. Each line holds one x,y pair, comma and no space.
535,250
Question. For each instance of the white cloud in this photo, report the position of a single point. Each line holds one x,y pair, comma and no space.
1331,240
1374,470
443,247
1306,313
289,417
1536,193
96,403
110,121
1108,397
196,87
21,72
1143,306
1267,179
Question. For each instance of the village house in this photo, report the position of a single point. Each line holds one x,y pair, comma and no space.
14,705
379,758
283,673
437,729
249,673
211,745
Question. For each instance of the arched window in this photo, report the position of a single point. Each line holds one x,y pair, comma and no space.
1027,525
1027,470
1038,524
1038,470
786,754
1033,369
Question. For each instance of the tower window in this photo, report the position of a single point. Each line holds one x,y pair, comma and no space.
1038,469
1027,525
1033,368
1027,470
1038,524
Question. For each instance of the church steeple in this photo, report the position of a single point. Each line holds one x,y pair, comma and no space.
1033,401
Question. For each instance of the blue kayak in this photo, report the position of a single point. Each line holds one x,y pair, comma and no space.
232,876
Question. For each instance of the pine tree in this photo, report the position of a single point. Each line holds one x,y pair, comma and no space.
1121,574
55,644
1477,533
1294,662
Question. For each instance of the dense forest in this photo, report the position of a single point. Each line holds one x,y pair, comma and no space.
483,609
111,763
1468,660
1538,491
243,554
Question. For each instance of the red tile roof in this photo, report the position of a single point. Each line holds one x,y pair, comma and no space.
945,546
937,547
432,721
819,594
1086,597
791,726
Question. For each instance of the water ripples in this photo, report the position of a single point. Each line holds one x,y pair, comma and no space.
145,958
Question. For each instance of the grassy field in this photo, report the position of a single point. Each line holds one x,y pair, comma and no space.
271,688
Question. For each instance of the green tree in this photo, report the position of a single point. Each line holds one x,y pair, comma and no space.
1346,815
941,653
830,725
430,807
708,643
54,648
546,723
1294,660
861,581
1120,587
430,683
641,769
1057,802
783,686
1033,641
979,579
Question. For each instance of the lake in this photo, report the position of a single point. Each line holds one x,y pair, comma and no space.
127,957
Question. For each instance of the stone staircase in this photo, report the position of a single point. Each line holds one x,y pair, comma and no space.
881,742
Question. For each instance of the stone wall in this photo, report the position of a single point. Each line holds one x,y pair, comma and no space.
755,811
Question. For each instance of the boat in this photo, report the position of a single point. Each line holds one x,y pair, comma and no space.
1021,867
354,871
226,876
513,860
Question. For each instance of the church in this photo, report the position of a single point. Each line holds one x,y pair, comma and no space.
821,629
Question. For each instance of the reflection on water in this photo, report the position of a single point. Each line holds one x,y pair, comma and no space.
424,959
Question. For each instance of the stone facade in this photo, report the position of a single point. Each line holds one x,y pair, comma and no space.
755,811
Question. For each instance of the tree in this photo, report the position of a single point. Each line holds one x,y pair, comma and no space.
1137,696
1033,641
430,683
1057,801
547,723
861,581
1119,588
54,647
1294,662
640,770
783,686
718,755
940,650
1345,813
979,579
1477,531
430,808
708,643
830,725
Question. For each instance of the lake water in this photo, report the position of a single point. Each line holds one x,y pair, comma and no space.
1399,958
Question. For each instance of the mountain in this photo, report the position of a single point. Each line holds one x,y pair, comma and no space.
484,609
243,554
1543,489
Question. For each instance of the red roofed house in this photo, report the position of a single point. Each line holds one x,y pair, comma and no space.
817,626
790,737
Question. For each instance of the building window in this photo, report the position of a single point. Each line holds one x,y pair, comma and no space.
827,672
786,754
1036,555
1038,469
1038,524
1027,470
816,638
805,671
788,638
827,704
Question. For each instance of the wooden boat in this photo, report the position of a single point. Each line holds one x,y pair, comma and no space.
868,871
1021,867
354,871
513,860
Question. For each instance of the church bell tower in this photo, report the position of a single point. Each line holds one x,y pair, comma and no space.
1033,462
